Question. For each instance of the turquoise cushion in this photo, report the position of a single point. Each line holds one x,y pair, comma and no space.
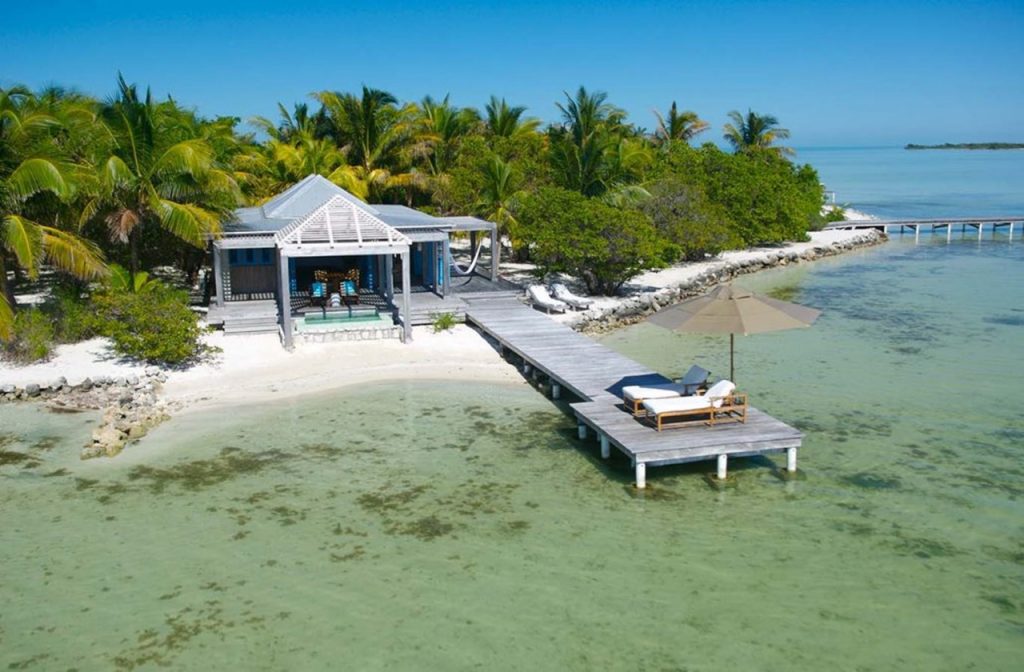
317,289
348,287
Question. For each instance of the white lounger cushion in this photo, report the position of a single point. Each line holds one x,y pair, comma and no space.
540,297
634,392
667,405
562,293
722,388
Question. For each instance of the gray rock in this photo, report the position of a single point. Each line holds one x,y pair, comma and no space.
32,390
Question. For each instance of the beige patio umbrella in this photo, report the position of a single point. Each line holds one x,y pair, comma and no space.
730,310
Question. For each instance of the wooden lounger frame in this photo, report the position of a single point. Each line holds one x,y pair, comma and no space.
733,409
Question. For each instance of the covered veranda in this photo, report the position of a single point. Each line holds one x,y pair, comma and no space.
336,235
338,229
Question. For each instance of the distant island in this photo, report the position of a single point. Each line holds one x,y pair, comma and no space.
970,145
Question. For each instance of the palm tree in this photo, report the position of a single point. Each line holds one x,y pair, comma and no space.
583,148
31,170
441,126
498,195
505,121
586,114
375,133
160,173
755,131
678,126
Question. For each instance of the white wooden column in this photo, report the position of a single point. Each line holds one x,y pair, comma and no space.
284,290
218,274
495,254
389,277
641,475
406,323
606,449
723,467
791,459
446,266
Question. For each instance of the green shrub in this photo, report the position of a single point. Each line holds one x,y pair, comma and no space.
156,325
602,245
683,216
33,337
442,321
764,198
835,214
73,315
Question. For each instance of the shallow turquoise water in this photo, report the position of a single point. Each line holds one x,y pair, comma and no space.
455,526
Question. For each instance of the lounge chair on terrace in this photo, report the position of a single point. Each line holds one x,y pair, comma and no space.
562,293
349,291
318,294
721,403
695,380
539,297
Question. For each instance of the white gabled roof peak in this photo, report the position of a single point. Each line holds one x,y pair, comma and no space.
337,222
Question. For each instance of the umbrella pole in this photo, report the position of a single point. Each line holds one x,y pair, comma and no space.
732,349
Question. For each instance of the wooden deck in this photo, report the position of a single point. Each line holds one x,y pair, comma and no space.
596,375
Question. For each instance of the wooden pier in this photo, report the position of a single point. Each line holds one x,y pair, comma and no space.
949,224
596,375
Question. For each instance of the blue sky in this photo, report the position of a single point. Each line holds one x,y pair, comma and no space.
834,73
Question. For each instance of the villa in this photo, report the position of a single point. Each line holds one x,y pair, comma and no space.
317,258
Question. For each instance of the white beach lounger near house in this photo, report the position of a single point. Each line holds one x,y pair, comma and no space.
562,293
540,298
691,383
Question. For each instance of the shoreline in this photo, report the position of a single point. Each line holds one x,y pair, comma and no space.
254,369
658,289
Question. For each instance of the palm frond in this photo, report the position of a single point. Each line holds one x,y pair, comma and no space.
190,157
36,175
72,254
187,221
6,320
21,237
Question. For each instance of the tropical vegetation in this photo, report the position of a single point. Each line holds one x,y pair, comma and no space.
101,192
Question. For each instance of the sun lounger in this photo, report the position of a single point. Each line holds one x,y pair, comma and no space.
540,298
693,382
562,293
349,292
721,403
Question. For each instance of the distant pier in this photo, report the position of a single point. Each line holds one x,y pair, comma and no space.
949,224
596,375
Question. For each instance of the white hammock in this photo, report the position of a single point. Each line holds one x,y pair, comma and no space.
465,270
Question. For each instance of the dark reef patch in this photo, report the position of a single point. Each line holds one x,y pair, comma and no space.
872,481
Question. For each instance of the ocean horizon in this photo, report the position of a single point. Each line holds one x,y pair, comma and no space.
893,182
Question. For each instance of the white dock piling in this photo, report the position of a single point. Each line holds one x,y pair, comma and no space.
981,229
641,475
556,391
581,431
723,467
949,233
606,450
791,459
